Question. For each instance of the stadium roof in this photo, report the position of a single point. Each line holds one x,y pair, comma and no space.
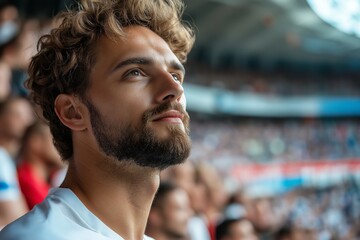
270,33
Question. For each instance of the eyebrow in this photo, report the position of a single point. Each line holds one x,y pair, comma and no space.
147,61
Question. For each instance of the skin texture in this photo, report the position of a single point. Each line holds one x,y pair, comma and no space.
122,92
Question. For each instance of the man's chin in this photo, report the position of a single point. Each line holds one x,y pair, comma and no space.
160,165
166,132
170,151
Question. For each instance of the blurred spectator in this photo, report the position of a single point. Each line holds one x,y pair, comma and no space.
216,196
186,176
5,81
39,161
17,45
169,214
260,212
18,53
9,23
183,175
236,229
15,116
298,233
284,233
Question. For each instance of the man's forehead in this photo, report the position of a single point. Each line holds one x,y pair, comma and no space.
139,34
137,41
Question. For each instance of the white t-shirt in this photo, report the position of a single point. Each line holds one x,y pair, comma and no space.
60,216
9,185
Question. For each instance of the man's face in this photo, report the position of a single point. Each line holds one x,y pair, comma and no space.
175,214
136,101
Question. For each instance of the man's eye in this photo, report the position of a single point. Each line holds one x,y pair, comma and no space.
134,72
176,77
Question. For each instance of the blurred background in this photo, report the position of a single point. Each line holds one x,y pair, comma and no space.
273,91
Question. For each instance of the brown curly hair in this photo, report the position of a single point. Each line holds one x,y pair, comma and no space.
66,55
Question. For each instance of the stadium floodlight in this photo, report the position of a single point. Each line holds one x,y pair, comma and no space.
342,14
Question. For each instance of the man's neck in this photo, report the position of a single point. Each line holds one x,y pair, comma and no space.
119,197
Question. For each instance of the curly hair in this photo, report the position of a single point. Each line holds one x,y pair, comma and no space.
66,55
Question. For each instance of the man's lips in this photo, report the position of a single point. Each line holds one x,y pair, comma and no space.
169,116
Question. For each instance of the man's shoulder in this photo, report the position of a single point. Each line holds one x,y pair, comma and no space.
45,221
36,224
15,231
44,224
58,217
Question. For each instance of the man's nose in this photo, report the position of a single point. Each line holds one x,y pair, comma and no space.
170,89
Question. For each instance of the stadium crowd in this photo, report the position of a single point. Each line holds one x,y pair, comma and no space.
303,213
263,140
193,202
275,83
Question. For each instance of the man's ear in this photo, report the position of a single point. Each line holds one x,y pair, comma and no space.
70,112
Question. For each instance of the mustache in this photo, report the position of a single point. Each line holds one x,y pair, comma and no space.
167,106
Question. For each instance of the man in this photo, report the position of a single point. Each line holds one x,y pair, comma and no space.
169,214
15,116
109,81
39,161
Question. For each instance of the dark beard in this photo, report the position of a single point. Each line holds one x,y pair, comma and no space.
140,144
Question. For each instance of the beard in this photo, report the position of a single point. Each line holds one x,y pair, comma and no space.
139,144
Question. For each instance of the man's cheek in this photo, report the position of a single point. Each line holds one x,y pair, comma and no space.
183,102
